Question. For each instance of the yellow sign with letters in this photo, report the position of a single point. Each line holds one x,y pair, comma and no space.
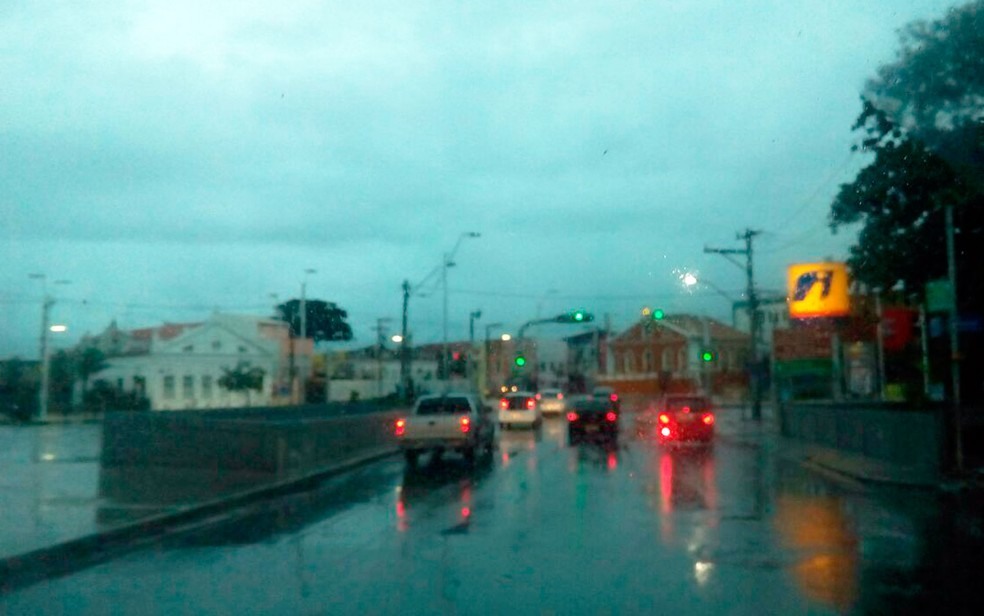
818,290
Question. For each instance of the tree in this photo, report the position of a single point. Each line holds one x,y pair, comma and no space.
243,378
934,90
325,320
921,119
89,361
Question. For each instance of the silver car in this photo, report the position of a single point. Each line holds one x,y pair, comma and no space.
551,401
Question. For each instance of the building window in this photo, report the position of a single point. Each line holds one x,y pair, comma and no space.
188,387
169,388
206,387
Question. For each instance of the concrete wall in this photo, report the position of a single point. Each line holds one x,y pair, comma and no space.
155,458
913,439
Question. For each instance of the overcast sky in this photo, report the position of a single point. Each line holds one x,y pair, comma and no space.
172,158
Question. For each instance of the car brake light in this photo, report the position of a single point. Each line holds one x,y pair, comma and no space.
560,396
665,431
572,417
401,426
503,404
530,403
664,418
708,419
685,409
538,396
611,416
465,424
614,397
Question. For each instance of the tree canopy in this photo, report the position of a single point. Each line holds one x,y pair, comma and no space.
325,320
921,119
242,378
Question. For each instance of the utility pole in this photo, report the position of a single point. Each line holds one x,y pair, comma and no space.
469,361
305,366
954,319
45,360
380,347
753,305
405,344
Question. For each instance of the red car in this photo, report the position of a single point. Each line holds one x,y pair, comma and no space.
684,417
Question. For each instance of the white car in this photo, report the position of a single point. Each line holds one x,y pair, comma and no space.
519,409
551,401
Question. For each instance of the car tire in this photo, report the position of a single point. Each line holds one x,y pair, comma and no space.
411,456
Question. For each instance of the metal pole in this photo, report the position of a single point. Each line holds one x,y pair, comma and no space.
405,344
753,305
880,336
444,324
954,336
302,393
924,343
45,361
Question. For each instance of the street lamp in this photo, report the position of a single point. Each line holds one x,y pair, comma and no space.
397,338
448,261
506,337
46,303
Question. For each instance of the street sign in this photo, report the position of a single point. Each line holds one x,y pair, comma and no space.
818,290
939,295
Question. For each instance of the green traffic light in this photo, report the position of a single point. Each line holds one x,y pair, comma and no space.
578,316
707,356
658,314
520,361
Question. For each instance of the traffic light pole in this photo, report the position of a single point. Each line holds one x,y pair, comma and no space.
753,305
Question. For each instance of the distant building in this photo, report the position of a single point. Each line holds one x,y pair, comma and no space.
653,357
773,314
179,365
587,359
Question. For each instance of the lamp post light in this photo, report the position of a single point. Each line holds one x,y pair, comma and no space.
45,352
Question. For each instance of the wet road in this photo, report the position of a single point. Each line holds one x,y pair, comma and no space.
547,528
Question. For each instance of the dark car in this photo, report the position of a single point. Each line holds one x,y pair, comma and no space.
684,417
589,417
604,392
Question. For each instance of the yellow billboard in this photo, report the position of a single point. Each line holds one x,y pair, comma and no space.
818,290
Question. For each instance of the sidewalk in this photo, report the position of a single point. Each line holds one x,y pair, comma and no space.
49,484
735,426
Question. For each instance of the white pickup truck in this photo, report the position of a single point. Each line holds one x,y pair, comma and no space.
450,422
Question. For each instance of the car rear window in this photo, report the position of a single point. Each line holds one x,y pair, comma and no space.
443,406
551,394
593,406
695,403
517,403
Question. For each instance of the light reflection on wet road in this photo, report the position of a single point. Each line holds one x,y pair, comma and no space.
543,528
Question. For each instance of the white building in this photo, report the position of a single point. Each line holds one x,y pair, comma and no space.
178,366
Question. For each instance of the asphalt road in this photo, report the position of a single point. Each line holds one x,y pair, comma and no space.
547,528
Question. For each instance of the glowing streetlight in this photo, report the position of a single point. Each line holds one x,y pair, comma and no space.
506,337
689,279
59,328
397,338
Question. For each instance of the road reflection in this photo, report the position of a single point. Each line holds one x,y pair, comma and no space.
421,485
686,479
818,530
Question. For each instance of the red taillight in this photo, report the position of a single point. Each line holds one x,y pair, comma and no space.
708,419
664,418
611,416
665,431
614,397
538,396
572,417
560,396
530,403
465,424
401,426
685,409
503,404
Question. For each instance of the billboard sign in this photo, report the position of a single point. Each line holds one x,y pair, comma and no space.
818,290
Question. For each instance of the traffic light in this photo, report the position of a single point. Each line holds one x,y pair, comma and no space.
520,360
658,314
575,316
707,356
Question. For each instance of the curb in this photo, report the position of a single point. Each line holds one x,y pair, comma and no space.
57,560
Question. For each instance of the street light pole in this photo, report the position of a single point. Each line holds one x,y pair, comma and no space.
486,364
305,367
446,263
45,355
